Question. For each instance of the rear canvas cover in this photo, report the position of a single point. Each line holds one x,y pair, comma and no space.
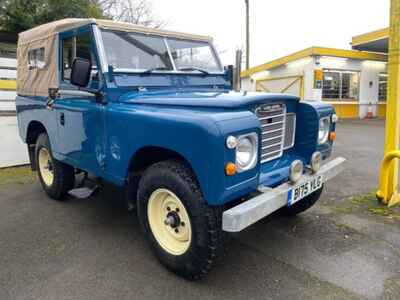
35,81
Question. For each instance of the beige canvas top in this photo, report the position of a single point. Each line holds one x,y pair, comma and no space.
49,29
37,81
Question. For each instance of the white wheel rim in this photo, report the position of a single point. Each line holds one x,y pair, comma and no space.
46,166
169,222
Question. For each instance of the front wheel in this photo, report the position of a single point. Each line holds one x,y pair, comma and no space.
55,177
303,204
183,231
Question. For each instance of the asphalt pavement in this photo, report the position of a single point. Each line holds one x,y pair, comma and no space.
93,248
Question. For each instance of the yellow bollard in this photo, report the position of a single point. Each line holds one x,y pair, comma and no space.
389,170
383,192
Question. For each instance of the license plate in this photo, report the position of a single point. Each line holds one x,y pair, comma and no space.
304,189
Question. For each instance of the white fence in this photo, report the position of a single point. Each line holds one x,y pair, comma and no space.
8,76
12,150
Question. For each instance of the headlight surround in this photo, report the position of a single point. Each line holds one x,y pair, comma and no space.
324,128
246,152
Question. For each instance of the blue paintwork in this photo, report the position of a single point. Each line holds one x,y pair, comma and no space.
189,114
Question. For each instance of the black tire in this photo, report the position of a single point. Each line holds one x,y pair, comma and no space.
303,204
206,221
64,175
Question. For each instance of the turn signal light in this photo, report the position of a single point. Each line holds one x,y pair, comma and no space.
230,169
332,136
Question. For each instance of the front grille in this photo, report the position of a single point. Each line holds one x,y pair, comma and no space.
290,130
277,129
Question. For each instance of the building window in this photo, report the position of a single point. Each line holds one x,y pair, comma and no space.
382,87
36,58
340,85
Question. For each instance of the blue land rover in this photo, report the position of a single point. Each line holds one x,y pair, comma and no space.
154,112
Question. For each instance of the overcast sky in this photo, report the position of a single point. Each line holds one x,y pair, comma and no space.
278,27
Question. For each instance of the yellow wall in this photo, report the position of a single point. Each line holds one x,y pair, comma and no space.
381,112
346,110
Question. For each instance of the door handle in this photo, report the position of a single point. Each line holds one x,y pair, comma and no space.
62,119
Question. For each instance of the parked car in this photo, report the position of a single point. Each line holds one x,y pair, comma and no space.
154,112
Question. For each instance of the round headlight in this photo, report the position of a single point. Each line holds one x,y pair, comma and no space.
323,133
246,152
296,170
316,159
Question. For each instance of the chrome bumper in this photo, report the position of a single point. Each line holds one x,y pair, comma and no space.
243,215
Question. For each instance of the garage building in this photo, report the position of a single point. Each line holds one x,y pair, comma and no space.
354,81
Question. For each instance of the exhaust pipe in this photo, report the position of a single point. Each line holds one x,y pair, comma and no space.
237,71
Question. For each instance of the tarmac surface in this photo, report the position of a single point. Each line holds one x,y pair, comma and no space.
93,248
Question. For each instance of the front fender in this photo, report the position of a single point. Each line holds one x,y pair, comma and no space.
194,135
323,110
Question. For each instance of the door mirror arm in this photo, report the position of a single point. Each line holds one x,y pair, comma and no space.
99,94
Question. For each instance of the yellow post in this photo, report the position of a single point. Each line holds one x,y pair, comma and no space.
385,173
388,185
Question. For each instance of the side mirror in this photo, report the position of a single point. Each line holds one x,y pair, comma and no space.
80,73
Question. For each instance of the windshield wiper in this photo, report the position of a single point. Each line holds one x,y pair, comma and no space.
194,69
151,70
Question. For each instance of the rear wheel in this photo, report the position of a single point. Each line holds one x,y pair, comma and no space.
55,177
303,204
183,231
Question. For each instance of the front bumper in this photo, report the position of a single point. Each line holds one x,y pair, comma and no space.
243,215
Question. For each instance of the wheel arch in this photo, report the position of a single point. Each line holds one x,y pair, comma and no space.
149,155
34,129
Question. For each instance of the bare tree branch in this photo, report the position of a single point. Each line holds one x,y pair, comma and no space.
139,12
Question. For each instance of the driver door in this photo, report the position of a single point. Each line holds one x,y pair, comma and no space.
80,117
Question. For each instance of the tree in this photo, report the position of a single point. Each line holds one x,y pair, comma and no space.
139,12
20,15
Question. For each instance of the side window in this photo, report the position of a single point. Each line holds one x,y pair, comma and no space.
83,47
36,58
67,57
77,46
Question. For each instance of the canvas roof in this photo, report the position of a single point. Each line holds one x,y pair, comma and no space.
36,81
52,28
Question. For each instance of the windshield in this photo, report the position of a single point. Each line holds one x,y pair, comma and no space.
189,54
138,52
